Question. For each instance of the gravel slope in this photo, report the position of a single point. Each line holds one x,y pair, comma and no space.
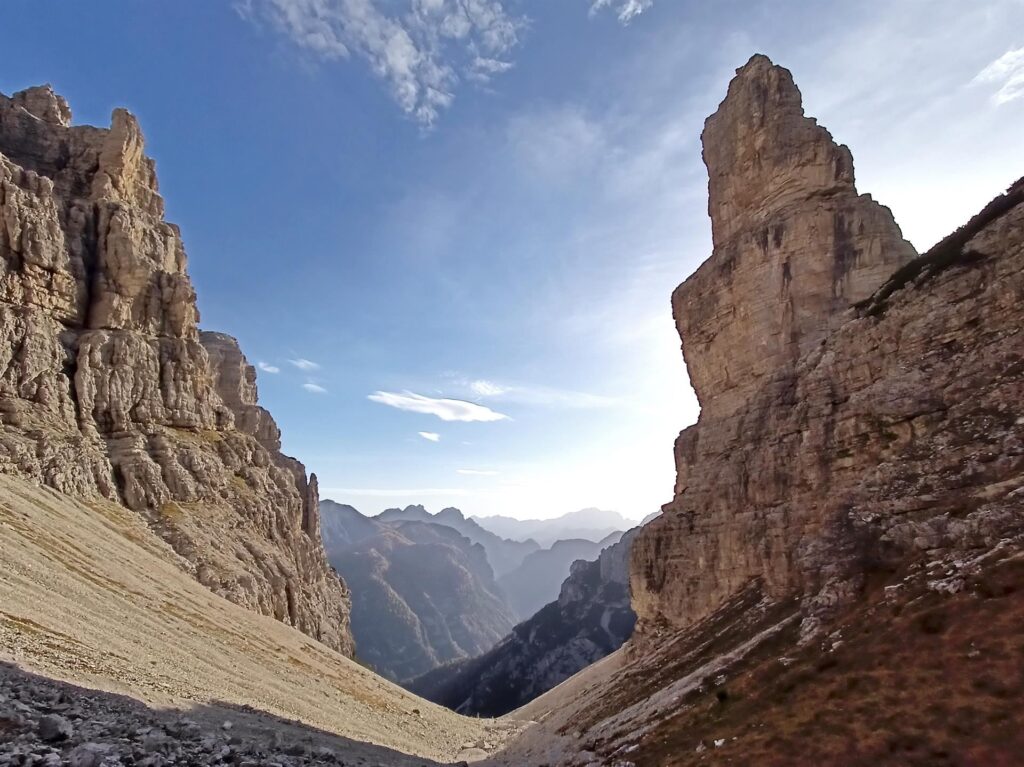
89,595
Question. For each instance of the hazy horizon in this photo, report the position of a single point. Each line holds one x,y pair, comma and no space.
434,511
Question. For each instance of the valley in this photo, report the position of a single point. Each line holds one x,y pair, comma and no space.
835,578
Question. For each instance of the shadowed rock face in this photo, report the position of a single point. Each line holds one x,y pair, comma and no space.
833,439
108,389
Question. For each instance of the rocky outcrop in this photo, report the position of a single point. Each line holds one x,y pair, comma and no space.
590,619
795,245
109,390
422,593
859,405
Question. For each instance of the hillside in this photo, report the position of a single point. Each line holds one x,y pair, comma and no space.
539,578
590,618
90,595
342,525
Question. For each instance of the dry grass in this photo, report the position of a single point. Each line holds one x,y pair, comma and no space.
926,679
90,595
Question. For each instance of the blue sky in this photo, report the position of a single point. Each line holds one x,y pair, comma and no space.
449,230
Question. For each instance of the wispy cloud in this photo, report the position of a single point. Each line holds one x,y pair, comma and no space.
422,49
304,364
486,388
267,367
313,387
626,10
557,143
1008,73
477,472
545,396
445,409
430,436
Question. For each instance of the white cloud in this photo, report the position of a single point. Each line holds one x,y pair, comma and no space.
430,436
304,364
486,388
315,388
626,10
1008,72
422,49
445,409
267,367
477,472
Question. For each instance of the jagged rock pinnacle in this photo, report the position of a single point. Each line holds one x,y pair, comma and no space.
794,243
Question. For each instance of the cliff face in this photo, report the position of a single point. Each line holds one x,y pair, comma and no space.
848,424
841,572
794,244
109,390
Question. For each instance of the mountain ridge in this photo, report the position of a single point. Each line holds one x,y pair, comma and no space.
590,524
504,554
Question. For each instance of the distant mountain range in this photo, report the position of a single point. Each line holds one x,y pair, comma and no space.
433,589
422,593
503,554
538,579
590,618
586,524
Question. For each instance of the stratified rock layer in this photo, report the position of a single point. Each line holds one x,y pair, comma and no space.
833,439
108,389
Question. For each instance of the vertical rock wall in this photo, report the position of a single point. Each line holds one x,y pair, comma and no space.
859,405
108,388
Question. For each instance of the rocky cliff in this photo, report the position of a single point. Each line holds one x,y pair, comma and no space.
108,388
590,618
847,422
841,572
